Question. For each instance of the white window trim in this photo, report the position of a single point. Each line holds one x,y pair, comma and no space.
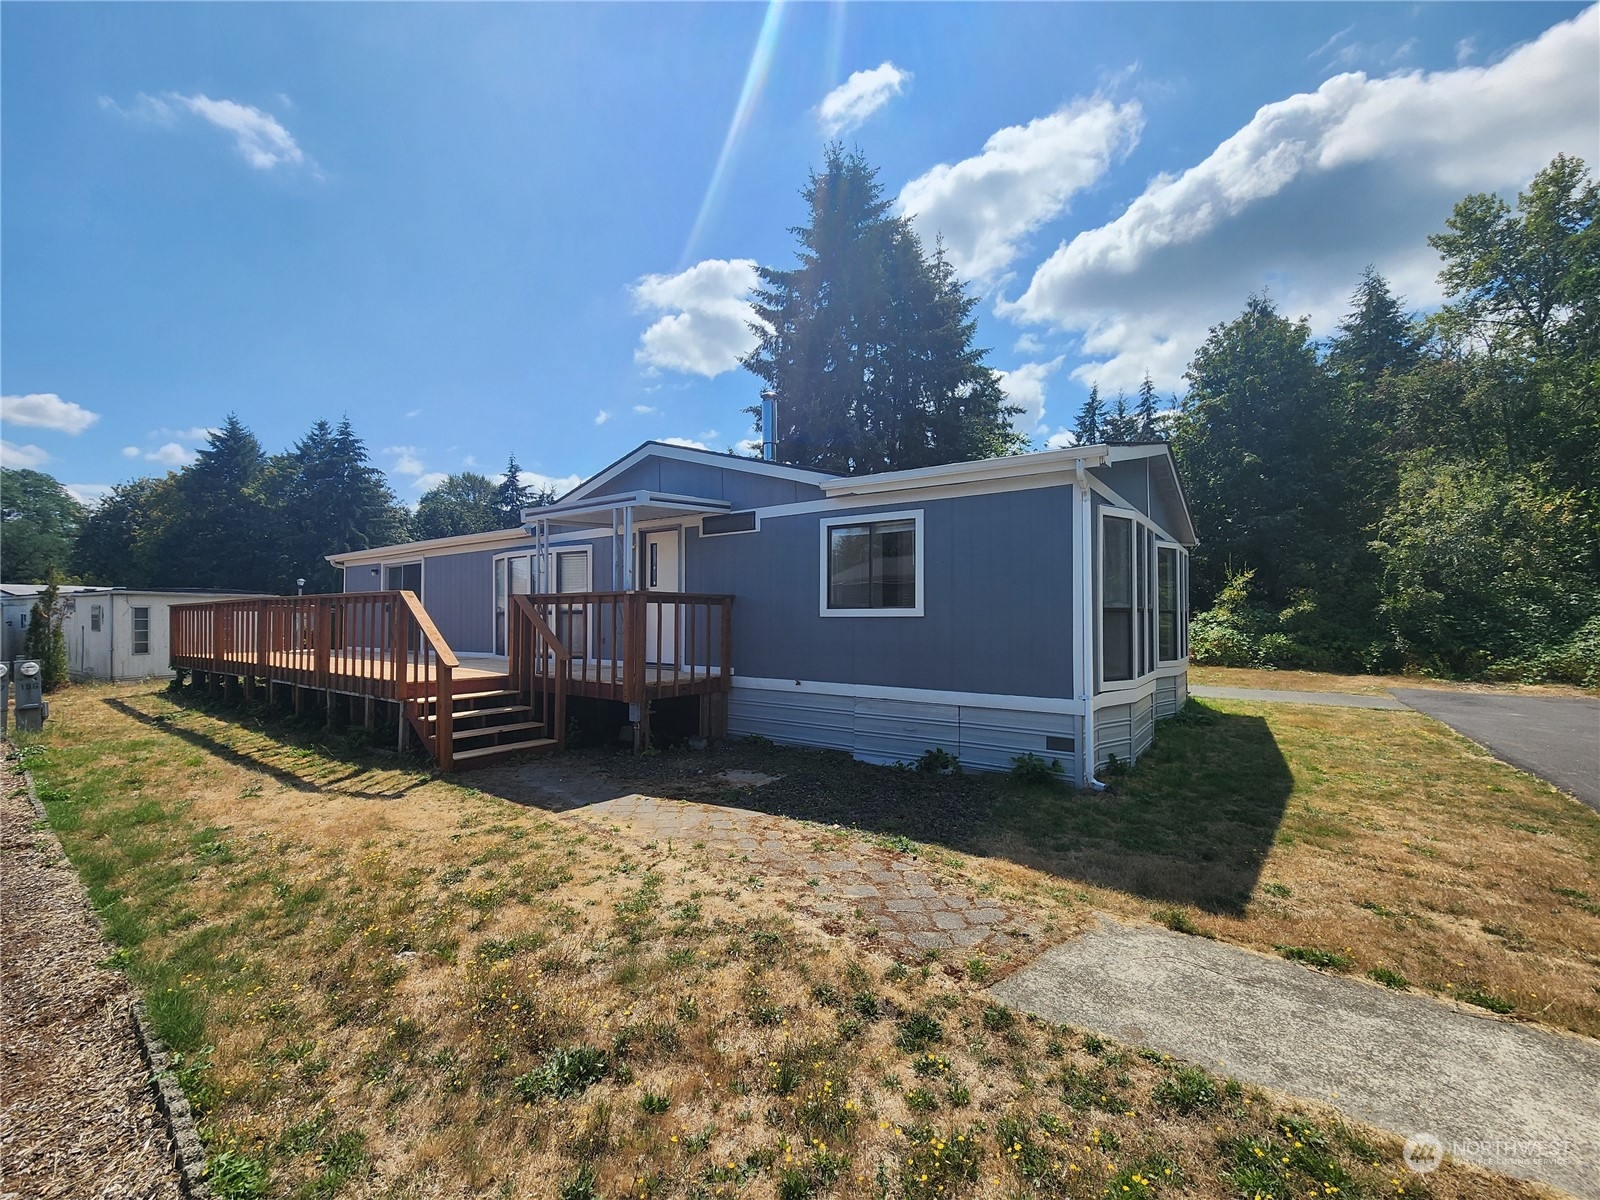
133,626
731,532
869,518
1183,605
1102,684
422,565
494,569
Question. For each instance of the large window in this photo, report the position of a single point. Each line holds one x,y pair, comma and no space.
1143,599
141,631
872,568
1116,599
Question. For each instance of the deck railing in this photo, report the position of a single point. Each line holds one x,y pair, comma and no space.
635,646
380,644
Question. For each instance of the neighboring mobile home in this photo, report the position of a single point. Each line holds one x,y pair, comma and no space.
1029,604
122,633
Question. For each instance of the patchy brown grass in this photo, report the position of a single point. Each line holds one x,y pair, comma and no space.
385,984
1321,681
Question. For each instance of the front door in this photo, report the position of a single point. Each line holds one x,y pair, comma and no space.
659,552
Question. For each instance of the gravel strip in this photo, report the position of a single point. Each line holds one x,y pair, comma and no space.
76,1114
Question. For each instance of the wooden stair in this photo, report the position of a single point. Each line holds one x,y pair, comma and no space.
488,723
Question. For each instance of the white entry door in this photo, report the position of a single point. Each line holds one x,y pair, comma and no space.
659,571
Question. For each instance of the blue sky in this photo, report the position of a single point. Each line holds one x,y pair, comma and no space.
531,227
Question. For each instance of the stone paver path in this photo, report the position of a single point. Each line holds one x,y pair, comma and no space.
842,878
1519,1100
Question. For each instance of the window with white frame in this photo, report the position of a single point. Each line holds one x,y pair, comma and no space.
141,631
1117,586
872,566
1143,598
1172,604
96,616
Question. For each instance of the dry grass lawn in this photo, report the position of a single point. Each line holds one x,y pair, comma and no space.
1322,681
386,984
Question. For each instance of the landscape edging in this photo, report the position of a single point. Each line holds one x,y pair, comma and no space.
188,1154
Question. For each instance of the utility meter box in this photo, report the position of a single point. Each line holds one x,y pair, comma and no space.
29,684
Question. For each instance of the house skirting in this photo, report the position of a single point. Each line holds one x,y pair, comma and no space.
1125,721
894,725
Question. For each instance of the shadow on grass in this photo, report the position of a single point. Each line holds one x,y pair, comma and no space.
350,759
1192,823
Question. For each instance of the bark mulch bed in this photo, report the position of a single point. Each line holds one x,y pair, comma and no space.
76,1115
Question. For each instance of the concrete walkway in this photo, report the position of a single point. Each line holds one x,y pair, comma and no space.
1556,738
1516,1099
1276,696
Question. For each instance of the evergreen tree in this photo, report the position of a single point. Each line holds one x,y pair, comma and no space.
221,536
1121,426
1147,426
38,521
45,642
868,342
464,503
1375,338
1087,432
512,495
1252,440
327,498
121,537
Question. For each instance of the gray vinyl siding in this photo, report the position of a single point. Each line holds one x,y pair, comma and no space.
997,588
741,489
361,579
881,730
1172,692
1125,730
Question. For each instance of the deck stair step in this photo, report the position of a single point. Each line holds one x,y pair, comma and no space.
462,713
495,730
458,697
479,755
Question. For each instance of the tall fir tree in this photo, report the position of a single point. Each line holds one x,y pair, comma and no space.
221,536
511,495
868,342
461,504
1120,425
1087,430
1147,423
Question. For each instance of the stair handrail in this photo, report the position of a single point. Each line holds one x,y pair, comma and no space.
562,666
442,689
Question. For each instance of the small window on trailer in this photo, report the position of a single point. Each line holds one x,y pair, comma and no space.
141,630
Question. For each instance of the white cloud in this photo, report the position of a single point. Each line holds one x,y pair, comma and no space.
709,435
858,97
22,457
428,480
197,433
46,410
688,443
559,484
1311,190
407,461
986,206
1025,386
1028,343
645,410
130,452
257,135
171,454
1466,51
414,413
87,494
707,327
1060,440
601,417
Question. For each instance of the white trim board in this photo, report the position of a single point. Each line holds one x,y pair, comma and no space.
866,691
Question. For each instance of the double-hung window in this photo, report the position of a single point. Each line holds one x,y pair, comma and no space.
872,566
1172,604
1116,599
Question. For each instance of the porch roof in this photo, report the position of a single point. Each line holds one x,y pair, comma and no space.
602,512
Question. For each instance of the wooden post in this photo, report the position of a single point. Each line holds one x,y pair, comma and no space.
323,631
725,673
444,727
369,712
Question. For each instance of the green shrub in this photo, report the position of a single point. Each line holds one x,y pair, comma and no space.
1031,769
938,762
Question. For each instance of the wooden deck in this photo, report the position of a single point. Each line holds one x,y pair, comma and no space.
632,647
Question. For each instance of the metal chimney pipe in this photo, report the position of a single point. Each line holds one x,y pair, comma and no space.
769,431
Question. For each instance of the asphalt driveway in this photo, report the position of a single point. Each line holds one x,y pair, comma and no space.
1553,737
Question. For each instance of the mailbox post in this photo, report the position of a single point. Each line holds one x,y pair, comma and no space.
31,707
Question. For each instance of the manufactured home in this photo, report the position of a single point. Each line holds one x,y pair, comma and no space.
1028,604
